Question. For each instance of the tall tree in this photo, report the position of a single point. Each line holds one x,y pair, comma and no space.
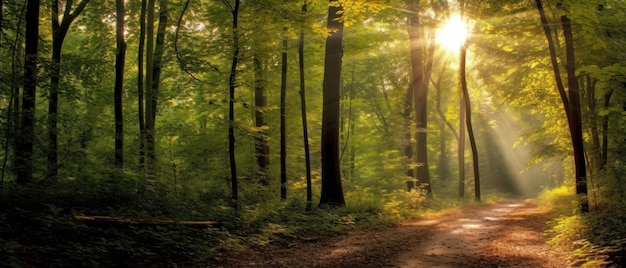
420,79
59,31
120,56
468,121
261,135
232,85
332,189
570,99
26,135
283,117
305,128
140,83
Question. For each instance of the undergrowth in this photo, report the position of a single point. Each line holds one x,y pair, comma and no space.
593,239
38,228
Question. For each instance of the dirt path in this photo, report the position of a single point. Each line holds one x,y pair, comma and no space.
508,234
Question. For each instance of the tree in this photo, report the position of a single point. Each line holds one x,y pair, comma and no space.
570,100
260,138
59,31
332,189
421,69
305,128
283,117
120,55
468,121
26,135
232,85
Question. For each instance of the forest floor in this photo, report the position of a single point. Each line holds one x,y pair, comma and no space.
506,234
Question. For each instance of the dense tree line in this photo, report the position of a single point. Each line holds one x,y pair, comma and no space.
254,101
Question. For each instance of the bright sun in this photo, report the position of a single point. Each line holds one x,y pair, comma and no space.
453,33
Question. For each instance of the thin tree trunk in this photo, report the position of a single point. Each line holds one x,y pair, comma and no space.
150,8
119,84
468,121
407,147
305,128
260,140
59,31
24,152
231,104
152,91
574,118
283,117
571,102
461,144
605,130
332,189
140,85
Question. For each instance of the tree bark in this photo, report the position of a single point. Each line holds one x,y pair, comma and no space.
140,85
120,56
231,104
420,78
262,150
24,152
59,31
283,117
468,121
332,189
305,128
575,117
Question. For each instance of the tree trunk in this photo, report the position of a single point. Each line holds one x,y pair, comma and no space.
153,69
140,85
261,135
119,84
574,118
420,78
231,104
571,102
332,189
468,121
283,116
605,130
24,152
150,9
407,146
305,128
461,144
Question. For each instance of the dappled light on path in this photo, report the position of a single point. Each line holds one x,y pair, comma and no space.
505,235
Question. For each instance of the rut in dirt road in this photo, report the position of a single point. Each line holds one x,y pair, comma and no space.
504,235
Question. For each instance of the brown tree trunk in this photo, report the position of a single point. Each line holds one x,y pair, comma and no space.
574,118
468,121
120,56
283,117
262,150
231,104
140,85
305,128
332,189
571,102
59,31
420,78
24,152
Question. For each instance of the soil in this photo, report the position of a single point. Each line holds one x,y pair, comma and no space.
506,234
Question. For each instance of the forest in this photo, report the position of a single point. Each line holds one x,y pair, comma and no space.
167,133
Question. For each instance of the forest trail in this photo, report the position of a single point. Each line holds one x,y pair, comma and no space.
506,234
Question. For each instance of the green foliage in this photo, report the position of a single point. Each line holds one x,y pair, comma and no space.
594,239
